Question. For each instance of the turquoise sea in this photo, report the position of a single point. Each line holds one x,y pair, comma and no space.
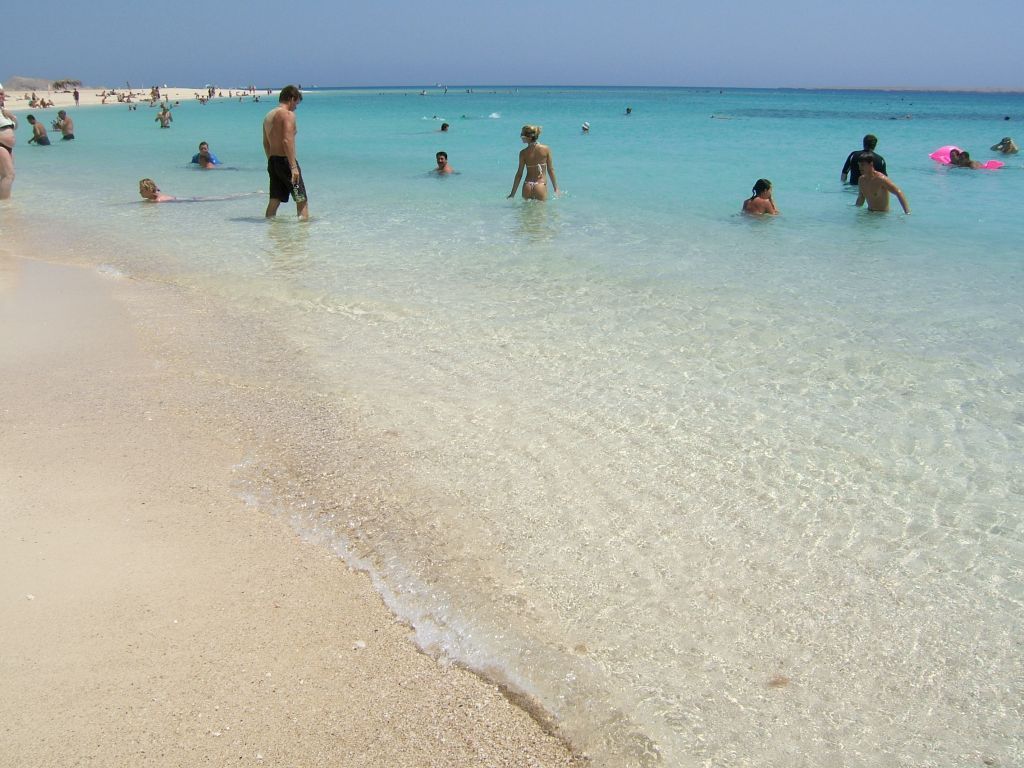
710,490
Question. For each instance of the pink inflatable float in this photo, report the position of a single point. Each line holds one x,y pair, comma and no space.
942,155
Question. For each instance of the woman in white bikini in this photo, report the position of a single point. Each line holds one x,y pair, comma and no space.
536,160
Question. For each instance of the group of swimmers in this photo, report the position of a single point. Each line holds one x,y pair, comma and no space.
867,171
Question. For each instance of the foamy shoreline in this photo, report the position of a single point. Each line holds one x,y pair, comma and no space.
150,616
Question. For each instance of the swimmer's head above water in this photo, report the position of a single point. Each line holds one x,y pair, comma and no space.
151,192
760,187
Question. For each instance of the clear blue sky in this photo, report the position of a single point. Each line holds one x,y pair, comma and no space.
930,43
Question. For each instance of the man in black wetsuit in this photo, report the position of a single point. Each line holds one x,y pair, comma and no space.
851,168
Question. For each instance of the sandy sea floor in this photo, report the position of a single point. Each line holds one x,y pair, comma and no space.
151,617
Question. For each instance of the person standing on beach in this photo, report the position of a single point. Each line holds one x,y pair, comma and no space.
535,159
875,187
279,131
66,126
8,138
39,136
77,95
850,166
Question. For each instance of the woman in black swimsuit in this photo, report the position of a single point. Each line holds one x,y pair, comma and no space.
8,124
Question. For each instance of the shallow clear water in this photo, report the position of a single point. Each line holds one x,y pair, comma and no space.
713,490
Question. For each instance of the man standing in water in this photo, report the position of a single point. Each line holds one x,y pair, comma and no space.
66,126
875,187
279,145
852,169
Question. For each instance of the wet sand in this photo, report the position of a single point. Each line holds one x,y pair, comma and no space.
149,616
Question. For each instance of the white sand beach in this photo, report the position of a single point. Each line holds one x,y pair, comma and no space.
19,100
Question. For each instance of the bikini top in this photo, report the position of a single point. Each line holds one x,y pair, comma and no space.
5,121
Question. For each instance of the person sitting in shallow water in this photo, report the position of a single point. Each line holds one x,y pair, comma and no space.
1007,146
761,203
151,192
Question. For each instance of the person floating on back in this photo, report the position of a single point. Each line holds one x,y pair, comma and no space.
850,166
760,202
875,187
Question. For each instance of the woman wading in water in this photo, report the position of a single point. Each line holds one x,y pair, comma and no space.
536,159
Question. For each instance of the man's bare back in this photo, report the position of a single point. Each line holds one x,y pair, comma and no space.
279,132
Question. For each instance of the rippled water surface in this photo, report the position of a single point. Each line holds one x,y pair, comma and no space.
712,490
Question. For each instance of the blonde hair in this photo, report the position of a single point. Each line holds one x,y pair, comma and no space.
148,185
532,132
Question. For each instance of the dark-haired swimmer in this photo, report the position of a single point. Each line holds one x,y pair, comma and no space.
279,131
760,202
442,164
875,187
850,167
534,159
962,159
39,136
204,158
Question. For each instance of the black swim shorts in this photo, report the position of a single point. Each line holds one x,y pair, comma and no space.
281,179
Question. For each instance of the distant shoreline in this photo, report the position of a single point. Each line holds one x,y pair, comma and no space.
489,86
865,88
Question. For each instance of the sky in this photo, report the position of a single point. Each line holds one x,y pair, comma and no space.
741,43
